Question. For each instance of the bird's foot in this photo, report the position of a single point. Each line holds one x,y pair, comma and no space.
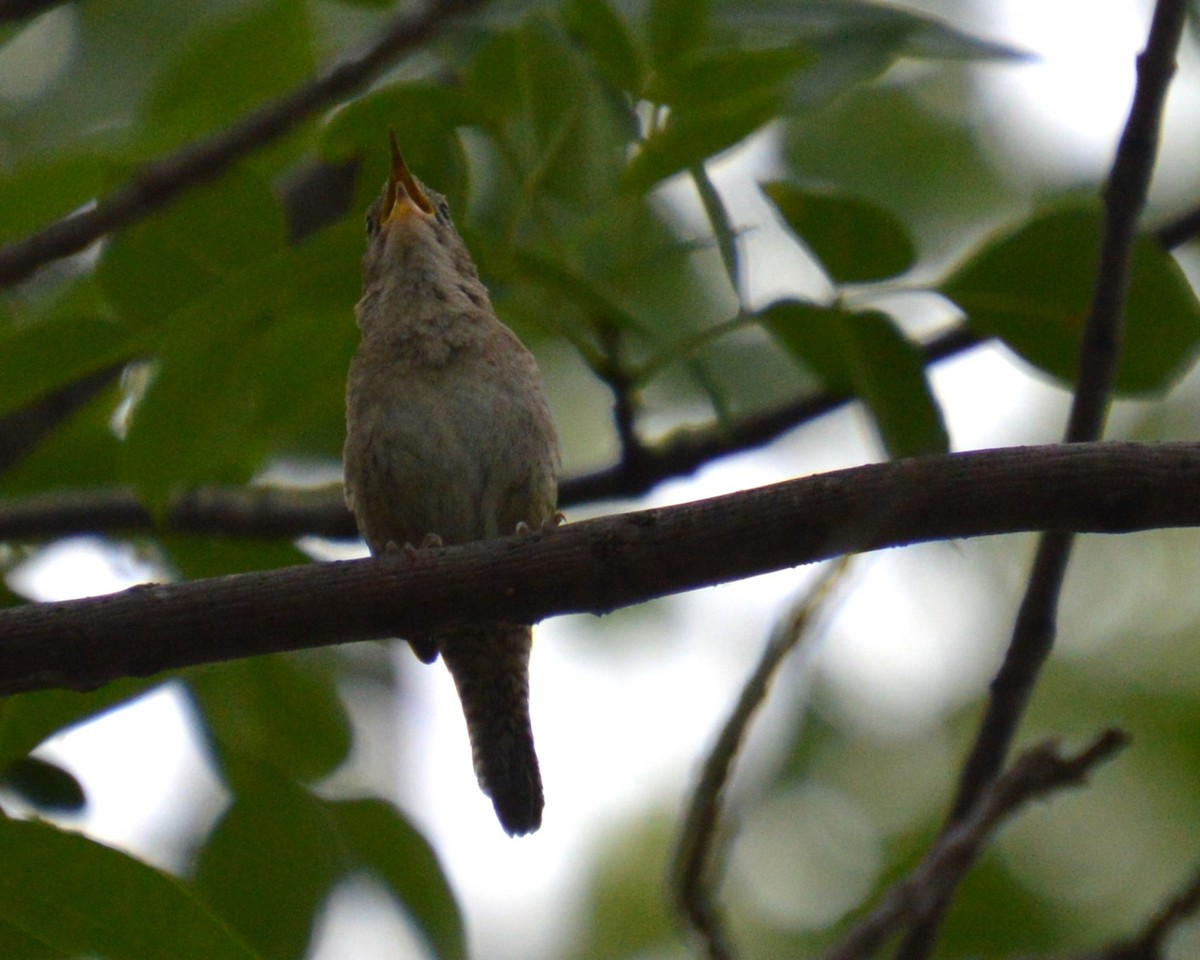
549,524
391,548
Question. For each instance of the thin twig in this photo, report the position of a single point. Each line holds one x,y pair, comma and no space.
1179,230
159,183
614,372
1038,772
1150,942
1099,356
692,870
718,218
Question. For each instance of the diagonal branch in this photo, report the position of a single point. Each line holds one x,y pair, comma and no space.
1099,356
692,869
159,183
600,565
1039,772
1149,943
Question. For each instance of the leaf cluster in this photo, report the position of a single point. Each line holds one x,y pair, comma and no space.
558,133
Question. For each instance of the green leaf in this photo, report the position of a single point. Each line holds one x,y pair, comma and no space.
934,39
37,193
279,849
229,68
425,118
179,256
994,915
63,340
197,556
283,710
198,421
820,22
855,240
80,452
269,863
562,134
627,915
15,942
1032,288
75,897
384,842
693,136
887,145
113,47
864,355
603,33
28,719
256,369
675,27
44,785
700,80
600,307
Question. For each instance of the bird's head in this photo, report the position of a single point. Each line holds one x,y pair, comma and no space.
409,227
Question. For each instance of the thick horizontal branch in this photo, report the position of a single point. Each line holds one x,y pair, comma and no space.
600,565
262,513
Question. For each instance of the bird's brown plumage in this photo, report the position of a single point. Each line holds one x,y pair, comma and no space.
448,434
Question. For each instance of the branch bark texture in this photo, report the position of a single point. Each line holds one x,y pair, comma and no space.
600,565
1036,626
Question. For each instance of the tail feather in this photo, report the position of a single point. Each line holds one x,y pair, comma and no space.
490,666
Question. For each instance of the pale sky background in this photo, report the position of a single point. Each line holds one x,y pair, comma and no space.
619,734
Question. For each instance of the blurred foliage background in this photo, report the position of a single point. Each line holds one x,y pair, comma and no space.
693,212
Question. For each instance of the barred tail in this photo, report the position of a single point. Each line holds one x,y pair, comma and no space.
490,666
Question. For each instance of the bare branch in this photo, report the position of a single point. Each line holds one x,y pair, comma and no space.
1099,355
1180,230
599,565
1040,771
692,877
1149,944
159,183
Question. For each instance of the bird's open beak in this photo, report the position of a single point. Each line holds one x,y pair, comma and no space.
404,196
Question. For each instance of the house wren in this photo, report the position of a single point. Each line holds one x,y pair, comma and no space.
449,440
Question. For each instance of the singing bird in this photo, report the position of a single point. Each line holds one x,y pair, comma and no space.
449,440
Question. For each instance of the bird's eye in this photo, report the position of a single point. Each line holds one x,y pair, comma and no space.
372,224
443,212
